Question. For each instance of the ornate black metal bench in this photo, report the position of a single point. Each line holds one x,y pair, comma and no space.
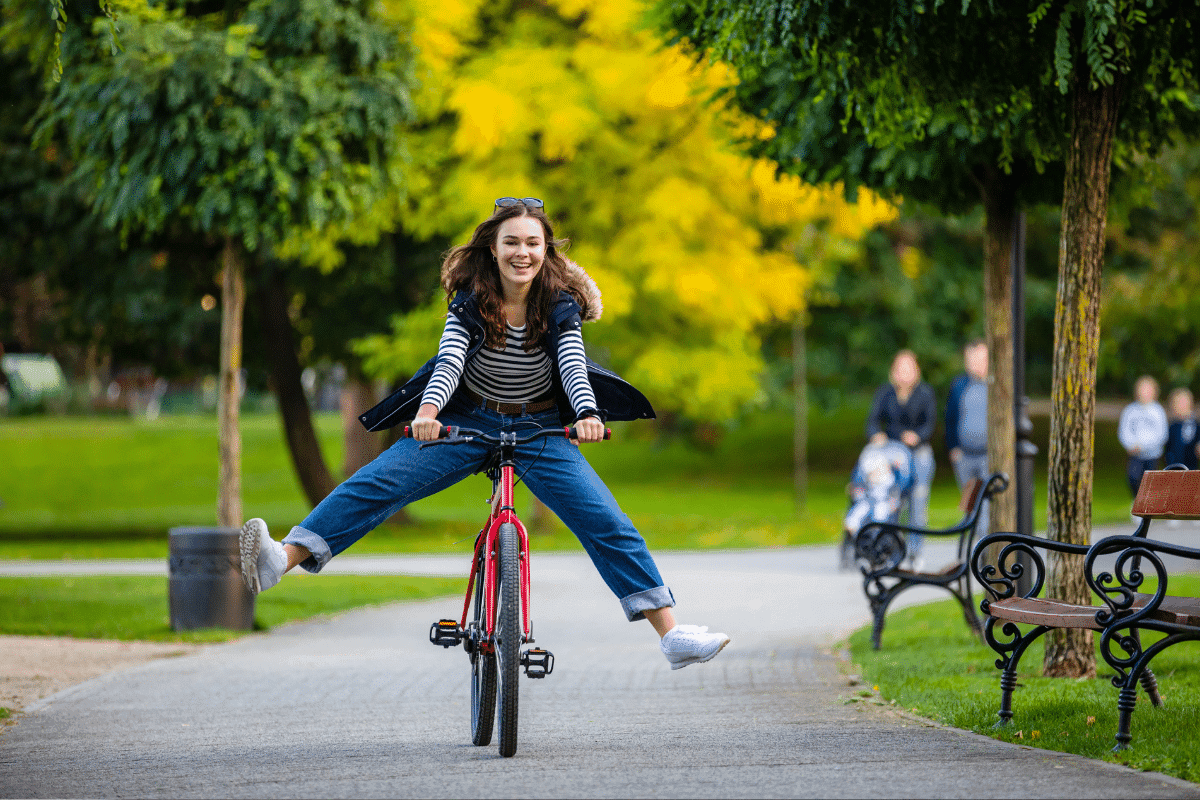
1167,494
880,549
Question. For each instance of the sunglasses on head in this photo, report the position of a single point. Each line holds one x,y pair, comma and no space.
528,202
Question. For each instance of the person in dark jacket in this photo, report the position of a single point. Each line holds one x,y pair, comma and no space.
1183,434
905,410
511,356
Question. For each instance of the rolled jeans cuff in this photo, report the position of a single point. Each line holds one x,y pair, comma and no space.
314,544
636,604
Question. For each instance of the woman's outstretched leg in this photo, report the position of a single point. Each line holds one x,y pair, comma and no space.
563,479
400,475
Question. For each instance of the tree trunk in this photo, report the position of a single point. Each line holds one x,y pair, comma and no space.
1000,207
1069,653
279,342
229,440
361,446
800,413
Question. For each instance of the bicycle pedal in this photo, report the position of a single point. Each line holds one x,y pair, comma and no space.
538,663
446,633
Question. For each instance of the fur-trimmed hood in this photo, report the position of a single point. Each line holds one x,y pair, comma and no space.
584,290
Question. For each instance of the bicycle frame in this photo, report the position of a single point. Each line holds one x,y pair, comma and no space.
485,557
502,511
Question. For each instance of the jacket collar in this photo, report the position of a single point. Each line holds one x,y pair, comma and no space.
464,305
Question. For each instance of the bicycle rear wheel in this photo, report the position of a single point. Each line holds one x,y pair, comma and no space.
508,636
483,672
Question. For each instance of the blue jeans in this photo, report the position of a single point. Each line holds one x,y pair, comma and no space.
557,474
971,466
1134,469
918,507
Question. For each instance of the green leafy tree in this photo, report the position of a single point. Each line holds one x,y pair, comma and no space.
67,287
1071,82
244,123
838,110
693,246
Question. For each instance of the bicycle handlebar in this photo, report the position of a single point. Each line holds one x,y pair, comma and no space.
453,434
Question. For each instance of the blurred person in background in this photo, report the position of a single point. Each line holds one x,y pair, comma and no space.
1183,434
905,410
1142,431
966,420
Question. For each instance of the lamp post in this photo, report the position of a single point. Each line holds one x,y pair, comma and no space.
1026,450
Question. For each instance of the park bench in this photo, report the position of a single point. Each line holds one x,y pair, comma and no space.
880,549
1163,494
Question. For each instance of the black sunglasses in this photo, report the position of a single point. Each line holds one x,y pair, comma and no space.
528,202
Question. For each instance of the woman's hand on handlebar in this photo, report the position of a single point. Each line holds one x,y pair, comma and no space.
588,429
425,426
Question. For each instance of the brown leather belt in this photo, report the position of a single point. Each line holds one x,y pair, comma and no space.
532,407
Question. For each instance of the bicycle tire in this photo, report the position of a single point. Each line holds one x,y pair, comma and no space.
483,675
508,637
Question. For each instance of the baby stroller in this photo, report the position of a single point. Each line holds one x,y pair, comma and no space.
880,486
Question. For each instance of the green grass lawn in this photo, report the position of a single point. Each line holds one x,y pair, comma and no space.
931,665
135,607
111,487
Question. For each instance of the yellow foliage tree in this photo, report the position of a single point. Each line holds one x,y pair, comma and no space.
694,246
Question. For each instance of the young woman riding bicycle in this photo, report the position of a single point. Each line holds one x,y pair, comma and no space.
511,357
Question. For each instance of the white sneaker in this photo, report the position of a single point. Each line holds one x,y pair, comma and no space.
263,559
691,644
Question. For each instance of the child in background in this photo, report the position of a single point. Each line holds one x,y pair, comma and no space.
882,477
1142,431
1183,435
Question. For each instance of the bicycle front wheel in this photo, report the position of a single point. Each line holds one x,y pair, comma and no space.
483,672
508,636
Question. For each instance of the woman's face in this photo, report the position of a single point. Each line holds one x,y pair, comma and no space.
519,249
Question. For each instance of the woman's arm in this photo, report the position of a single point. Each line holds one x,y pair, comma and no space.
876,423
927,416
572,368
451,358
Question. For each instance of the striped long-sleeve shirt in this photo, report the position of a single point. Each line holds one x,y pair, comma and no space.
510,375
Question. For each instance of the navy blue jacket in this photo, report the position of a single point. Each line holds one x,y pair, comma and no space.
1181,449
618,400
918,415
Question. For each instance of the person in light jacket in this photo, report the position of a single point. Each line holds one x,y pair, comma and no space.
1142,430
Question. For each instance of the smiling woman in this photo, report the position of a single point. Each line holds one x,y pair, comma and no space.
511,357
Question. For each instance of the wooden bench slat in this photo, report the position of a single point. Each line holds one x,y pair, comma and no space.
1037,611
1056,614
1180,610
1168,494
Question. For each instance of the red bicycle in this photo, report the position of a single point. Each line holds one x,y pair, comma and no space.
497,599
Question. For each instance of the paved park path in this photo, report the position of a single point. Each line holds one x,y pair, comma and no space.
362,706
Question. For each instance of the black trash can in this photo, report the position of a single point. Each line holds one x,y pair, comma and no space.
206,588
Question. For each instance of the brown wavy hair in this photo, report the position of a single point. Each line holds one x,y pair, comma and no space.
471,266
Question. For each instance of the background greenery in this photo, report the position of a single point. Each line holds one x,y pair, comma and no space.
112,486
